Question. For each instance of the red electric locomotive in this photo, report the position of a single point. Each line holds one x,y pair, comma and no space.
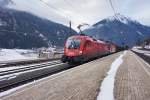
81,48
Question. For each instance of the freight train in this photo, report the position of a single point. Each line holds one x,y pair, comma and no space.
81,48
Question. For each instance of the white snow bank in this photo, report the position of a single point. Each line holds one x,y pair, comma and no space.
13,54
106,89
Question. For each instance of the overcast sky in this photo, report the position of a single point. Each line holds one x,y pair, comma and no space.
86,11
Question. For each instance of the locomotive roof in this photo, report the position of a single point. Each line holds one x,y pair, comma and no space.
86,37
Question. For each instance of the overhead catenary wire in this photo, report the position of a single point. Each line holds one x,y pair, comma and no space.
111,4
113,8
49,5
56,9
59,10
70,4
74,8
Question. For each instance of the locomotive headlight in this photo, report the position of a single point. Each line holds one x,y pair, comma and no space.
80,52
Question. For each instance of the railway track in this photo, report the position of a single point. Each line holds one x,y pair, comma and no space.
143,56
25,62
29,67
25,74
19,76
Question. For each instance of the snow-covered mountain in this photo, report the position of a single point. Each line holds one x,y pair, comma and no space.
37,8
120,30
20,29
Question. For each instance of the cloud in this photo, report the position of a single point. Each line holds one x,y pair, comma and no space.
92,11
85,11
136,9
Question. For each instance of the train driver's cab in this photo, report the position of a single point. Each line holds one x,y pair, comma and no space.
73,43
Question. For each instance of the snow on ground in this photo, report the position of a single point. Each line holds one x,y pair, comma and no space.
145,52
106,89
24,66
8,77
8,68
27,53
14,75
16,54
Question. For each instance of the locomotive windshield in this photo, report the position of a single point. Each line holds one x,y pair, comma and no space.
73,44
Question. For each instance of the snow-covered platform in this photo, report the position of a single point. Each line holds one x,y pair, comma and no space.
121,76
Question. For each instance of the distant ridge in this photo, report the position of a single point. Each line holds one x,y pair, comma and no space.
120,30
23,30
